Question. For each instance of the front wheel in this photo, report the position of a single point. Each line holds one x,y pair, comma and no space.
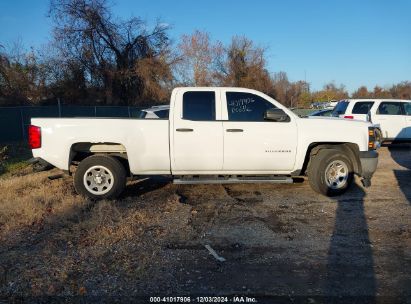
100,177
330,172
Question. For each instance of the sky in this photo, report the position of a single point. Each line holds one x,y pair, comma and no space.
350,42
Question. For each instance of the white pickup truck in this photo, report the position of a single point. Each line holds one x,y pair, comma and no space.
212,135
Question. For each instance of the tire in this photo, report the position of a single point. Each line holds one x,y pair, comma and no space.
330,172
100,177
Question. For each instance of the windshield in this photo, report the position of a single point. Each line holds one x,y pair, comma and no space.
340,108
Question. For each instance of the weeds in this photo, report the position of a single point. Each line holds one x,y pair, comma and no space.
14,158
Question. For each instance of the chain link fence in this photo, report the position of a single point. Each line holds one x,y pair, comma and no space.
14,120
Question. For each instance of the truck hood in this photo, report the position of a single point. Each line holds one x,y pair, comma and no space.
327,117
331,121
333,129
344,119
323,117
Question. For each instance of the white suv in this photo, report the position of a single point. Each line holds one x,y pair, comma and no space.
392,115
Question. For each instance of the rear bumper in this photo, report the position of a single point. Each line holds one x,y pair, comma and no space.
369,162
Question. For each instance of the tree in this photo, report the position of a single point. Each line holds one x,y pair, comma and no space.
281,86
291,94
299,94
401,90
123,58
244,65
381,93
22,76
198,57
361,92
330,92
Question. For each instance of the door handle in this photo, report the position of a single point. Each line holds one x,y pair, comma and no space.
184,130
235,130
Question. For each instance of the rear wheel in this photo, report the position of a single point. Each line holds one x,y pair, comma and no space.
330,172
99,177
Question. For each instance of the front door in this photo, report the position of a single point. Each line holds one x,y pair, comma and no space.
251,144
391,118
197,138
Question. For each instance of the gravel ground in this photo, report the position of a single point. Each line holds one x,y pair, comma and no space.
281,240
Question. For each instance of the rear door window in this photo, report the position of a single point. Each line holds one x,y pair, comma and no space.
362,107
407,108
199,106
340,108
390,108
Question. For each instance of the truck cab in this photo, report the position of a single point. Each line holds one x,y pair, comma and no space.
225,131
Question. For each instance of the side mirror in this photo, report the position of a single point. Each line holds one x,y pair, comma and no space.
277,115
369,118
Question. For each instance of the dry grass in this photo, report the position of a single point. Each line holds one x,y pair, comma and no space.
31,199
82,241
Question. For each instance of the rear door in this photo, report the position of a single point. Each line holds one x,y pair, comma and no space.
360,109
253,145
197,132
391,117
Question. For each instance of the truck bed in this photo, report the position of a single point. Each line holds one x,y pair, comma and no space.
146,139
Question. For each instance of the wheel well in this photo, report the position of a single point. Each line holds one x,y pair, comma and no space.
82,150
350,148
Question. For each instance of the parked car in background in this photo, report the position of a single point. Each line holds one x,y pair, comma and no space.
331,104
155,112
317,105
393,116
323,104
325,112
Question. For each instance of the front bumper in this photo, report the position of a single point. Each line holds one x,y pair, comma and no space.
369,162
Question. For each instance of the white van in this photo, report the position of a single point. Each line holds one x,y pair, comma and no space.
392,115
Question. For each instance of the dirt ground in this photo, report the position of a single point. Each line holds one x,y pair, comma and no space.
282,240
